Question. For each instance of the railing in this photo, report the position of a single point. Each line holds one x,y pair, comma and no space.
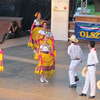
5,23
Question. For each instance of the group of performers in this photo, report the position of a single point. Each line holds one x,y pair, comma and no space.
76,56
42,42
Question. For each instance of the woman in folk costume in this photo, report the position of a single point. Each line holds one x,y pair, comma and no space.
36,26
1,60
45,32
41,34
90,79
75,53
37,21
39,38
51,41
46,65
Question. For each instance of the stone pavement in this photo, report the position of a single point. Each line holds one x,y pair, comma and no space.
18,82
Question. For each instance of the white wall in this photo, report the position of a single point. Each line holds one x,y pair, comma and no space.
59,19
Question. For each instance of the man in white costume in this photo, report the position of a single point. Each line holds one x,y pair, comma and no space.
90,80
75,53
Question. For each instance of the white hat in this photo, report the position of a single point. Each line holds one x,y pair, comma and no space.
84,71
73,38
98,84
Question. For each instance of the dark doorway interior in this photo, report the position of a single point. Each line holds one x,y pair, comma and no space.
25,9
72,8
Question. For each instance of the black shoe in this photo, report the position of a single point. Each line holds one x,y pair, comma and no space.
76,78
91,97
82,94
73,86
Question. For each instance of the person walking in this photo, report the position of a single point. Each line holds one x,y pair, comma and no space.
90,80
75,53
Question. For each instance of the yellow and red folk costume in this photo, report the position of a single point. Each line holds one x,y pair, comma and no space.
1,60
51,42
46,58
43,34
36,37
36,26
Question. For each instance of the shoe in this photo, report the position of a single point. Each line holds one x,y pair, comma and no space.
76,78
45,80
41,80
82,94
73,86
91,97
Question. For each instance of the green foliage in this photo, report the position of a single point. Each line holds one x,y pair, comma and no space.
92,10
97,13
78,1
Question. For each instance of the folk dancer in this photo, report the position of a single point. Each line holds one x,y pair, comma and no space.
90,80
44,32
46,65
36,26
1,60
75,53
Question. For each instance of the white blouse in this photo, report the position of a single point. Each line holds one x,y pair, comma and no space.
48,34
92,57
44,48
75,51
37,22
